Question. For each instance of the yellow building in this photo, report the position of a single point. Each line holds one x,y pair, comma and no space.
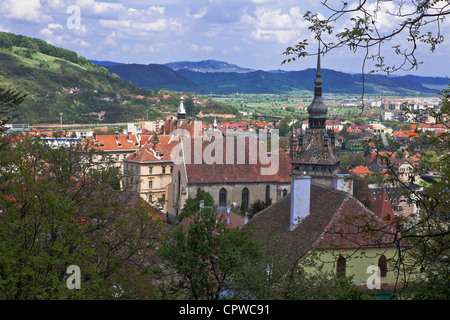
148,170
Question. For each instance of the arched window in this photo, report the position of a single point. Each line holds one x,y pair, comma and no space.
199,189
340,267
179,185
382,264
267,193
222,197
245,198
284,192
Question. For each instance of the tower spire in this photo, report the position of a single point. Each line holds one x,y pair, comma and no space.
318,81
181,112
317,109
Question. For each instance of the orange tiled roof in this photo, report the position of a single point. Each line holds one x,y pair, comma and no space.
120,142
151,153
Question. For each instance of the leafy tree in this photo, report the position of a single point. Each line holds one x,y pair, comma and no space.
60,208
417,22
9,100
200,259
5,41
283,127
191,108
351,160
192,205
258,206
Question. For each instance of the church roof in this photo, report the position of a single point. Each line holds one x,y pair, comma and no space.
237,170
336,220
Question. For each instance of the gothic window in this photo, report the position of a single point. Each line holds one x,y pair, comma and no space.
382,264
245,198
222,197
267,193
340,267
179,185
285,192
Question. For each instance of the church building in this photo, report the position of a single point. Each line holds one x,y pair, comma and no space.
321,217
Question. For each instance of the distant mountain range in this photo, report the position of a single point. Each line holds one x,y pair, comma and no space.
219,77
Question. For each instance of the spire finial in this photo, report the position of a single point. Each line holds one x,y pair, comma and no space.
318,81
181,111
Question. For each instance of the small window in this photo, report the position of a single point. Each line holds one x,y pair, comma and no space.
382,264
150,184
245,198
267,193
163,169
222,197
150,170
340,267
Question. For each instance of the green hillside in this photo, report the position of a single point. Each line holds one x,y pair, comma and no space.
58,80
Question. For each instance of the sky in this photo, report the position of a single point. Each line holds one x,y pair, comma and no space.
249,33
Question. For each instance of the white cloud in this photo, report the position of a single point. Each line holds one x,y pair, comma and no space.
101,8
272,19
30,10
3,29
274,25
200,14
204,49
54,26
46,32
81,43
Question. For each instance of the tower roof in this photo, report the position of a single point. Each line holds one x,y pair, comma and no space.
181,110
317,109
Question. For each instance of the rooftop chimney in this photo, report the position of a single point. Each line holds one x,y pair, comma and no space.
300,198
344,182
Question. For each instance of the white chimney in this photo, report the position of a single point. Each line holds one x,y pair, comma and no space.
343,182
300,198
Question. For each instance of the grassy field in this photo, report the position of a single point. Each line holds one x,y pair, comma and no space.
284,105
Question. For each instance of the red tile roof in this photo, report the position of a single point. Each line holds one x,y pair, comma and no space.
120,142
210,172
360,170
382,207
336,220
151,153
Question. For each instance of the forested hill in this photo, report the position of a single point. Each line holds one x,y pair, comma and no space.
257,81
57,80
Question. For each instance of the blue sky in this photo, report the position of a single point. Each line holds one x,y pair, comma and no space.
249,33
